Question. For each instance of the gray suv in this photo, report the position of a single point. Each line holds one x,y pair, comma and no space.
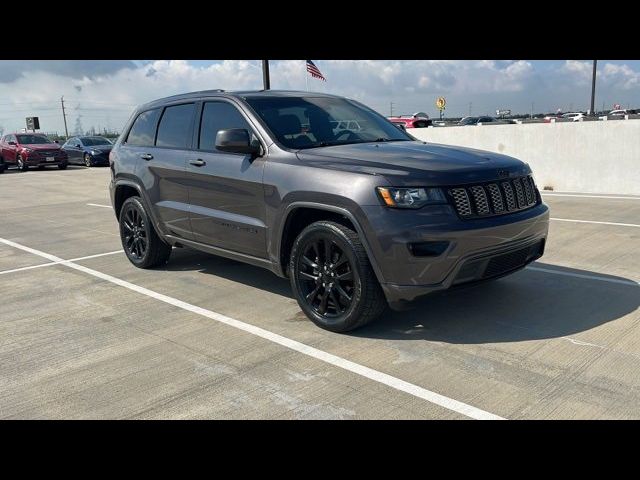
356,218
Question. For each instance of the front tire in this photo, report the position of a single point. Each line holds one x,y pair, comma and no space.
87,160
63,165
141,243
332,278
22,165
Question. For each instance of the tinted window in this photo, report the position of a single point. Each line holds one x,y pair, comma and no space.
307,122
91,141
144,129
33,139
218,116
175,126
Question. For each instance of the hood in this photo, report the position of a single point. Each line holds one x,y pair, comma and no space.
416,163
41,146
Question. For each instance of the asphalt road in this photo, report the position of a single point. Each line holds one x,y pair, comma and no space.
206,337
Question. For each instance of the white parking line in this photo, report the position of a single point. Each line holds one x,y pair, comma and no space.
580,195
98,205
632,283
375,375
598,223
58,263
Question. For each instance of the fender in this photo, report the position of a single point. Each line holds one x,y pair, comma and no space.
145,201
331,208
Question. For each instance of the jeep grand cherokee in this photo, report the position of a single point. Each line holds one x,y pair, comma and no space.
355,217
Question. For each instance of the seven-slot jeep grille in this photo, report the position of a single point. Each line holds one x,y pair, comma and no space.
494,198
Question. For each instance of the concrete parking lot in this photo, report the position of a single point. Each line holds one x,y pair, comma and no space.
206,337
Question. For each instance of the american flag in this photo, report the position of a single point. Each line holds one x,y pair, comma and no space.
313,70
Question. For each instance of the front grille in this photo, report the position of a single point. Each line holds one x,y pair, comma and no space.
507,262
497,198
48,153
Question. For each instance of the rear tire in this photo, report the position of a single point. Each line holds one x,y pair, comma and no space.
141,243
63,165
332,278
3,166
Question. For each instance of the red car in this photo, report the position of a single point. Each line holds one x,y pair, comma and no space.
410,121
25,150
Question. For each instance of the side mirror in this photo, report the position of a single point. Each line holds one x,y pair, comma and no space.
236,140
12,143
401,126
77,145
56,141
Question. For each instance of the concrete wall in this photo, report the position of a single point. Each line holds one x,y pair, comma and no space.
593,157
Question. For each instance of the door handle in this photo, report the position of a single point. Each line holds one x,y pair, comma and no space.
198,162
146,156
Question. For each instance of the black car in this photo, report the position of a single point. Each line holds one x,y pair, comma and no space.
355,217
89,151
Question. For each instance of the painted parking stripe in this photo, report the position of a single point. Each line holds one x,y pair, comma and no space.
48,264
595,222
98,205
580,195
370,373
600,278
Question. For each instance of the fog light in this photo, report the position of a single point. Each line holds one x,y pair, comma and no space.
428,249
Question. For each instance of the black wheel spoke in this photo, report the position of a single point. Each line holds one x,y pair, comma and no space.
327,251
307,276
335,302
312,295
316,248
341,260
309,262
322,308
342,293
345,276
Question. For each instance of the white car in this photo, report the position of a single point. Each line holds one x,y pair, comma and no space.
576,117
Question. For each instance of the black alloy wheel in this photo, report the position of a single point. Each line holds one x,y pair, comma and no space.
326,277
142,245
135,240
332,278
22,164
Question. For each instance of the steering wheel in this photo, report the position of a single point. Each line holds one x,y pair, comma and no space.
351,135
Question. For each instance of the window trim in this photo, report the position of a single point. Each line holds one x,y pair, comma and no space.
200,115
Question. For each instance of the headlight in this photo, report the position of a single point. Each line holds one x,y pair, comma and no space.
410,197
95,152
28,150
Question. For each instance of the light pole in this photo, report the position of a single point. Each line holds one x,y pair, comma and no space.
265,74
593,89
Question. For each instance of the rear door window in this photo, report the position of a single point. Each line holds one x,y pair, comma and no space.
174,130
143,132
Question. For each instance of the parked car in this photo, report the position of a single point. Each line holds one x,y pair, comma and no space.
25,150
476,120
354,219
575,116
88,151
410,121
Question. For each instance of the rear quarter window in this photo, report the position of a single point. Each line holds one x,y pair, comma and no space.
143,131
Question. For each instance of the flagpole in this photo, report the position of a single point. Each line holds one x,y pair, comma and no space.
306,76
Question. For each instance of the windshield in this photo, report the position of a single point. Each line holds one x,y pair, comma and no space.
91,141
32,139
307,122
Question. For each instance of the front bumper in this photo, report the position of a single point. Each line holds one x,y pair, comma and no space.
33,161
476,248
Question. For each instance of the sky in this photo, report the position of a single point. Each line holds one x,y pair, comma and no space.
103,93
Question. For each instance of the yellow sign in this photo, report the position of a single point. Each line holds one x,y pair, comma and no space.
440,103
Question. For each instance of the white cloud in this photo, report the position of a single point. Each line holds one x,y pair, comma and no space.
106,96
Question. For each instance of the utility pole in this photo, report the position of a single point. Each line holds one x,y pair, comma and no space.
64,116
391,109
265,74
593,89
531,109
